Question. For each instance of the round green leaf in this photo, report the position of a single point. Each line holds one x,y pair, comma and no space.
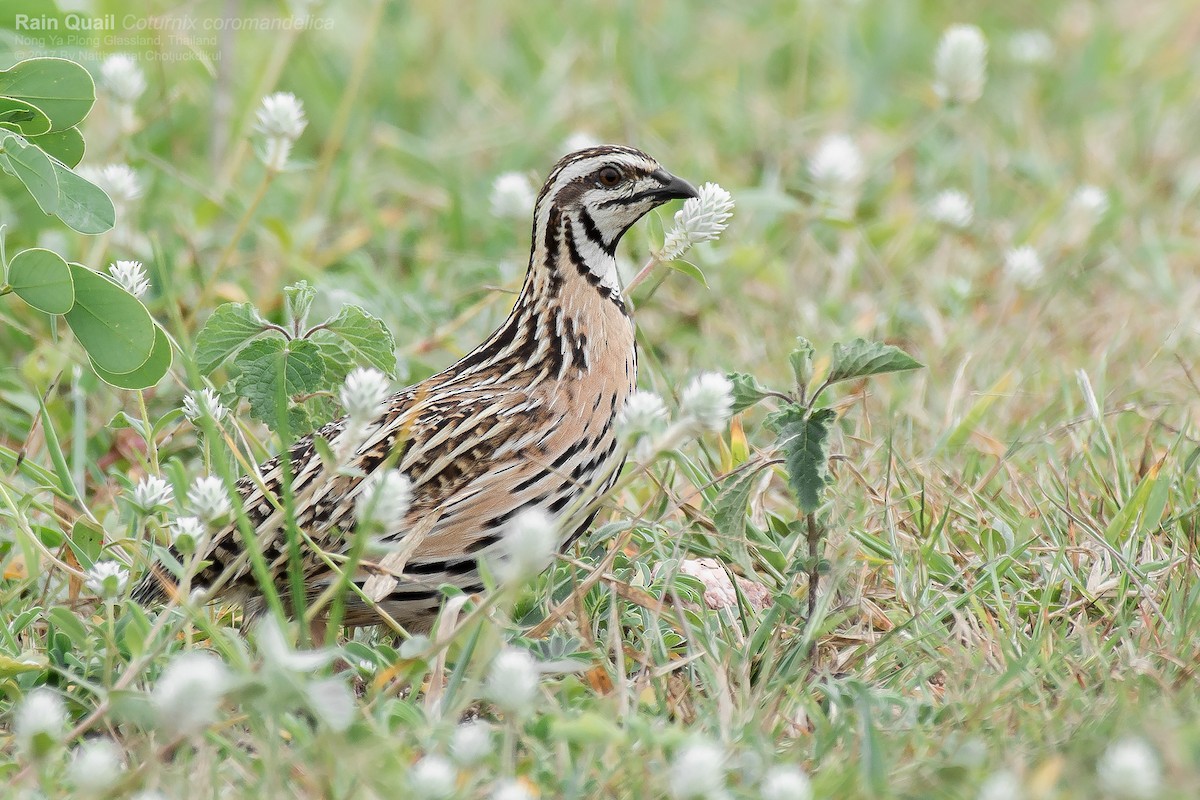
111,324
83,206
148,374
34,169
65,145
26,119
41,278
62,89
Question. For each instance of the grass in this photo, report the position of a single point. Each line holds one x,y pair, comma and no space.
1011,582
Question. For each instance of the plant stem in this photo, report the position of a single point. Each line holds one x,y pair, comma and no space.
238,232
151,444
643,273
814,562
341,117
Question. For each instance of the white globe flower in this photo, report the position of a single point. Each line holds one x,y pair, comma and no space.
512,196
39,722
512,683
1023,266
960,64
696,771
707,402
1130,770
189,692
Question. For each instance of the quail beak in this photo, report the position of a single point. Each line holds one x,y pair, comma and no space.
673,188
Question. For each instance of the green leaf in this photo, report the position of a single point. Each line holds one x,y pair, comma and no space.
263,363
41,278
747,391
26,119
62,89
1139,511
801,360
66,483
11,667
65,145
861,358
778,421
148,374
689,269
82,206
68,624
111,324
227,330
806,457
297,300
337,356
729,515
86,542
33,168
367,337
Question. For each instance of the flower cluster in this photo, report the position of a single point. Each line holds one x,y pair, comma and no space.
512,683
118,181
960,65
280,121
952,208
512,196
208,499
837,171
203,403
122,80
383,501
706,404
131,277
1023,266
529,543
189,693
39,722
363,394
107,579
1129,769
702,219
152,493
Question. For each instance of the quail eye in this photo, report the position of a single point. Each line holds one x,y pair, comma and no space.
609,177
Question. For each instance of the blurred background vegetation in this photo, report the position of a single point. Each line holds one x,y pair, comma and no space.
1012,580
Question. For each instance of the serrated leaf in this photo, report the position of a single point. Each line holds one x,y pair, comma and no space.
41,278
366,336
265,363
789,415
147,375
729,515
338,360
297,300
861,358
32,168
806,457
82,205
747,391
111,324
61,88
66,145
227,330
